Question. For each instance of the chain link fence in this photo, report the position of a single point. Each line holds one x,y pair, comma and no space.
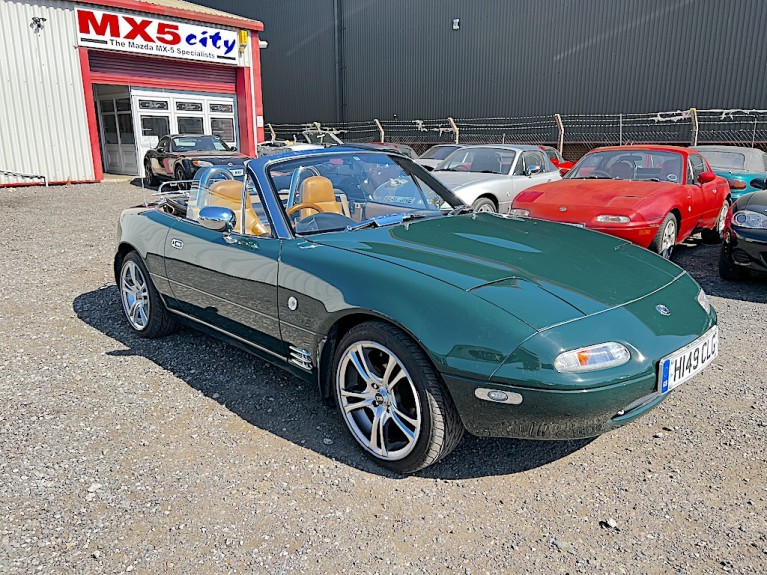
574,135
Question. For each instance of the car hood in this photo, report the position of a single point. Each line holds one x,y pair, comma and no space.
541,272
757,202
457,180
598,193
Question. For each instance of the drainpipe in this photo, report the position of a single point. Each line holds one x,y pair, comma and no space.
339,56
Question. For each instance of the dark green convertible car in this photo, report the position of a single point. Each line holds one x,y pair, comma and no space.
355,269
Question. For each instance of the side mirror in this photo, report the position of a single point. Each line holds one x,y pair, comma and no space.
759,183
217,218
706,177
563,171
534,169
233,148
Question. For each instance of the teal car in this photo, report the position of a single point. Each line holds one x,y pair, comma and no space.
739,165
358,271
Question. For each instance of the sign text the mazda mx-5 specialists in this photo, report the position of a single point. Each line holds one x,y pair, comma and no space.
137,33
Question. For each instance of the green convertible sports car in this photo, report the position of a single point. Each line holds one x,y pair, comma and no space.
345,267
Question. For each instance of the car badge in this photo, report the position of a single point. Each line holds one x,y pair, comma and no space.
563,208
662,309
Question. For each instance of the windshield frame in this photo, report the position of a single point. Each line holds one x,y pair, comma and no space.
197,137
281,222
514,153
610,153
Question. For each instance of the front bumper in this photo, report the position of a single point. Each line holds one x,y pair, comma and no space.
553,414
746,247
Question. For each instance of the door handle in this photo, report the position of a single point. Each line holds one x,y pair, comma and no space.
176,243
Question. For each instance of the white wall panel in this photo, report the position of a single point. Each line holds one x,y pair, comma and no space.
43,123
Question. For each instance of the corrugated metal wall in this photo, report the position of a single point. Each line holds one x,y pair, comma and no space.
42,119
509,58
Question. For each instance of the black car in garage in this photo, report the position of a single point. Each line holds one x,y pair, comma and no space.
178,157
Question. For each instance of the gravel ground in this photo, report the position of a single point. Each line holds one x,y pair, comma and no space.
186,455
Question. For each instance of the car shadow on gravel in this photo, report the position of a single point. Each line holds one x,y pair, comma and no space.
273,400
701,261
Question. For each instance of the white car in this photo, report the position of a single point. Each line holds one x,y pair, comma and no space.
433,157
489,177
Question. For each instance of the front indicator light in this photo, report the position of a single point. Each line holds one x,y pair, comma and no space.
703,301
593,357
749,219
613,219
201,164
519,213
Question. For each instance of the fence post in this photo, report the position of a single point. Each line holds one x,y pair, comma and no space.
271,131
753,134
380,128
695,126
561,128
454,127
620,129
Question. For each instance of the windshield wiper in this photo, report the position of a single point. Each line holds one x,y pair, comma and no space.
385,220
598,178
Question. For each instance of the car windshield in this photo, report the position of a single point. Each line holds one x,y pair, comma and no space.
198,144
724,160
354,190
643,165
480,160
438,152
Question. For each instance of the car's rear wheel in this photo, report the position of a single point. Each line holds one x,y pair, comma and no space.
141,302
665,239
149,178
715,236
484,205
392,399
728,269
180,174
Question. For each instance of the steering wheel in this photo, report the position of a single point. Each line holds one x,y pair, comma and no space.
297,207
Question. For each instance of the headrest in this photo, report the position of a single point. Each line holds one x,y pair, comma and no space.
230,189
317,189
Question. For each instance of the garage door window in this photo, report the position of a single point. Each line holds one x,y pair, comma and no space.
223,127
190,125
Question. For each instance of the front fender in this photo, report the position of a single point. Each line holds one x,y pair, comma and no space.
461,333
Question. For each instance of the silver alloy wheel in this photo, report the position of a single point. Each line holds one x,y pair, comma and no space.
378,400
669,239
134,293
485,208
722,218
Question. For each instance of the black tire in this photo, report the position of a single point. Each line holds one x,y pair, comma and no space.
156,319
438,429
657,244
728,269
484,205
180,174
716,235
149,178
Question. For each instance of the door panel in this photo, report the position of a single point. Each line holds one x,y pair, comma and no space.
153,127
232,286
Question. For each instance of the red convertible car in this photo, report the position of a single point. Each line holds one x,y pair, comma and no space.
653,196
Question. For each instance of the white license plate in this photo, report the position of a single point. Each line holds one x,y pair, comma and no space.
237,172
681,365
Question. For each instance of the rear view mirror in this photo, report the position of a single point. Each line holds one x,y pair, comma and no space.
217,219
706,177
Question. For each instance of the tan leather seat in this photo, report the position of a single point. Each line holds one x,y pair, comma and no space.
228,194
318,190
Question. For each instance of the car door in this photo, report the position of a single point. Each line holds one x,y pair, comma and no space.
703,197
227,281
522,181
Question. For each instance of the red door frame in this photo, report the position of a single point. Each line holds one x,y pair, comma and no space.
243,90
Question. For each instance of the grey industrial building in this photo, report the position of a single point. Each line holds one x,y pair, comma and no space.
353,60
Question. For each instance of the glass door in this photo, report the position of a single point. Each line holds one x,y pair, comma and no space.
153,115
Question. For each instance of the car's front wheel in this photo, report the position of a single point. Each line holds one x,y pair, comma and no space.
715,236
665,239
484,205
141,302
179,175
392,399
728,269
